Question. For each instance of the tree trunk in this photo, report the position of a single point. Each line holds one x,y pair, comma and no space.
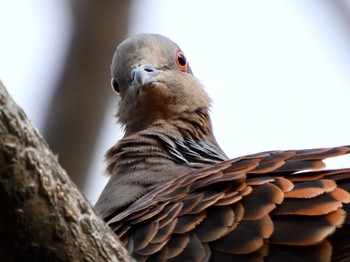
43,215
84,92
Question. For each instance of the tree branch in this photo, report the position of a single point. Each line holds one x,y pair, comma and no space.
43,215
86,78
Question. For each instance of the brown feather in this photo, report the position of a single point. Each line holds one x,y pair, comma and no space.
216,224
246,238
173,195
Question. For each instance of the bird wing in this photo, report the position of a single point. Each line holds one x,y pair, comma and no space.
270,206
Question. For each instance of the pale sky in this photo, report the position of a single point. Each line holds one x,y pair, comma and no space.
277,71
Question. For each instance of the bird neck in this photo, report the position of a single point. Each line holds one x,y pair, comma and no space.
186,141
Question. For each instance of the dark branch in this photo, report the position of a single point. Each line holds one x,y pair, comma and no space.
43,215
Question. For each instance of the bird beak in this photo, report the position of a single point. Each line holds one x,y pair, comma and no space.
144,74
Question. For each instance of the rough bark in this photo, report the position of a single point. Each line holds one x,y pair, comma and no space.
43,215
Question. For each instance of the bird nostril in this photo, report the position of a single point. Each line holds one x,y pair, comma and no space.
148,70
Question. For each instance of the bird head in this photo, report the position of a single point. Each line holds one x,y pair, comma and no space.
155,83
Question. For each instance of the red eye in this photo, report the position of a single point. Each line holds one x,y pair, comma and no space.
181,61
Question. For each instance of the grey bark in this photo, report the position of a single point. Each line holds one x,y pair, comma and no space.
43,215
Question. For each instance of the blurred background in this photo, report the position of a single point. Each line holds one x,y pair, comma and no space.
277,71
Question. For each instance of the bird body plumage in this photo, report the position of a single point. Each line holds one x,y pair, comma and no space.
173,195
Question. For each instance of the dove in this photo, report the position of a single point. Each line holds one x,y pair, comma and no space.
174,195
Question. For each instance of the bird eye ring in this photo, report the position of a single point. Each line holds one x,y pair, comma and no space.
181,61
115,85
